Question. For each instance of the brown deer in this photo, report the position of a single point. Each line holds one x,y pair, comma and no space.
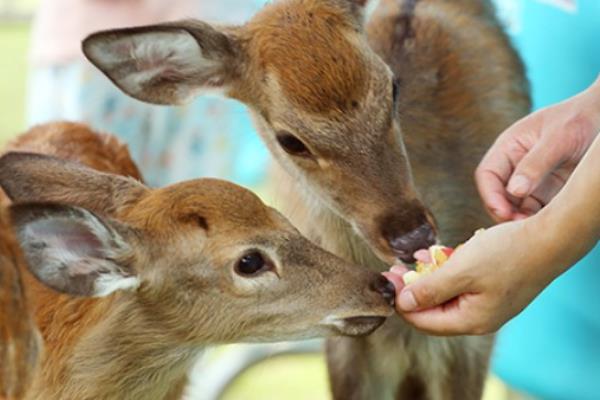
171,271
342,105
20,340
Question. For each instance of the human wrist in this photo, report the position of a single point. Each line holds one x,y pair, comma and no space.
547,244
593,96
565,232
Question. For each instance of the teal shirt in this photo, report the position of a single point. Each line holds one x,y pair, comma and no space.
552,349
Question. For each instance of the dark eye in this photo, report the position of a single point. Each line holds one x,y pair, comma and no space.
251,264
292,145
395,91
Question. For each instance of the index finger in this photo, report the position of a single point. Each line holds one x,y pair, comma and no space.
492,176
494,196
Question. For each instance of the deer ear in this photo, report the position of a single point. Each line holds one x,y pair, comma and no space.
28,177
74,251
166,64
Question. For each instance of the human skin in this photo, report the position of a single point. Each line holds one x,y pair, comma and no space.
501,270
531,161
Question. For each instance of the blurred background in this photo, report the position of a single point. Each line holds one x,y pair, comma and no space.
39,54
15,19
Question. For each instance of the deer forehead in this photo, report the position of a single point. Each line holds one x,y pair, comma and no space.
316,53
222,205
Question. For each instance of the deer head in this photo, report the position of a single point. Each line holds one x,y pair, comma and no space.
324,103
212,262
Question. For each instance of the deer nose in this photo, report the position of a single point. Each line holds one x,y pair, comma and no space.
385,288
405,245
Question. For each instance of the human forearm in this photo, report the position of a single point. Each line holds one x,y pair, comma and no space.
593,94
572,220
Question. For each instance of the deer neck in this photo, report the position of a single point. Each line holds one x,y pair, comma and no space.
130,353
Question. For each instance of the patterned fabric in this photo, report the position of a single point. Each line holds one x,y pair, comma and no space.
552,350
211,137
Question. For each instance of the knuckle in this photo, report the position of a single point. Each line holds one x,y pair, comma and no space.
425,296
578,128
555,150
479,173
469,277
519,146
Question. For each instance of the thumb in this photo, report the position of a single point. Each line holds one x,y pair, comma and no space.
541,160
432,290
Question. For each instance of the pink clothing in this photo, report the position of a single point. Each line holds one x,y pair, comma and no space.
60,25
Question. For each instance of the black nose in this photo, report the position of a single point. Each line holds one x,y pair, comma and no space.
405,245
385,288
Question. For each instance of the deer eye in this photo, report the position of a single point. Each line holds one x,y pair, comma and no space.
251,264
292,145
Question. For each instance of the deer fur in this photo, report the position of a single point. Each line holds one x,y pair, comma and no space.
162,268
20,342
377,129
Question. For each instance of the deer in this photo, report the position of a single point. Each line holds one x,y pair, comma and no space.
127,284
21,343
376,124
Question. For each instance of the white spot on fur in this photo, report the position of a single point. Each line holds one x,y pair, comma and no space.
334,321
110,283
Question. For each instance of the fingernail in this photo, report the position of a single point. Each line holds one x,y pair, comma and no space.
407,301
519,186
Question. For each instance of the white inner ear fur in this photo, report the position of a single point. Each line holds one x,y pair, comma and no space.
173,56
81,260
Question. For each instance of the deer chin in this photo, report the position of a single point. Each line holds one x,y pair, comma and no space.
355,326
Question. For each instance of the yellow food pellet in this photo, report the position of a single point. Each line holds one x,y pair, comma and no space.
438,258
410,277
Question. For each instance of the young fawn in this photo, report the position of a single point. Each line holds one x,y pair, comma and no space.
172,270
341,106
20,341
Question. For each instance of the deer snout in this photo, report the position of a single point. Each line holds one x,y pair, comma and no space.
385,288
408,228
404,245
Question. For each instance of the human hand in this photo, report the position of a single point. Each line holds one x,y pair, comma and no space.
531,161
499,271
485,282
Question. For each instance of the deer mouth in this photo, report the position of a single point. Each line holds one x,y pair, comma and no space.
356,326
